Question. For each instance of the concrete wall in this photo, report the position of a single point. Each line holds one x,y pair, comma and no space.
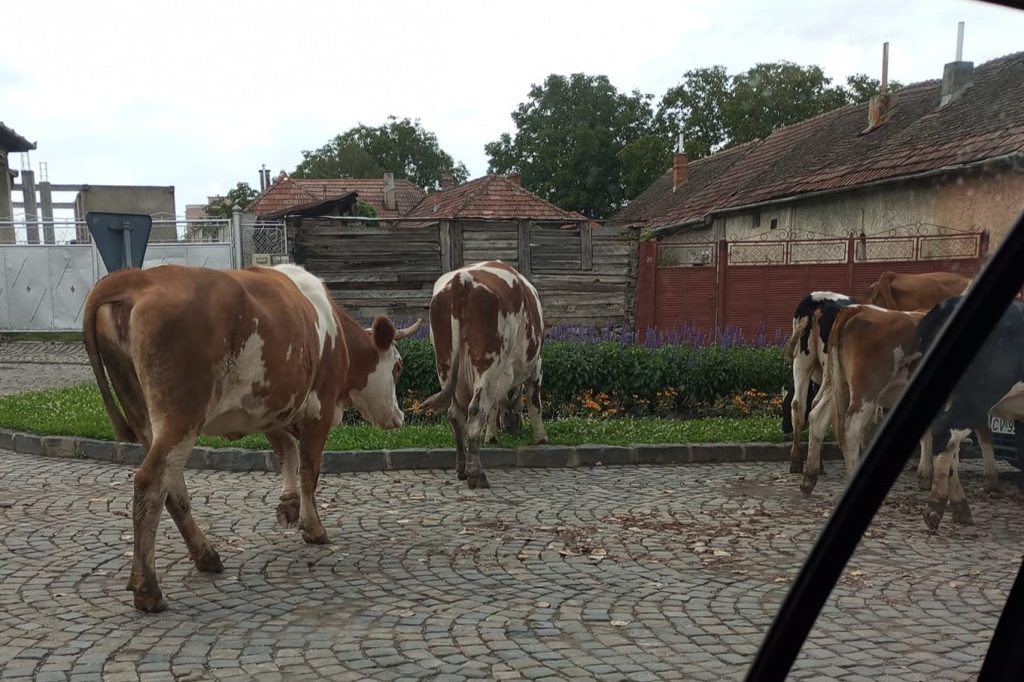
146,200
6,211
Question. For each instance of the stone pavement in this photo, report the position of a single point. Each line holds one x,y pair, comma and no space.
28,365
617,573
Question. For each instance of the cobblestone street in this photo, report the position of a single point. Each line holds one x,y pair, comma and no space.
616,573
637,573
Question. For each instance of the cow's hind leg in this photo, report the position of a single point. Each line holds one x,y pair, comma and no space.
457,421
924,463
990,481
535,408
286,451
959,508
159,471
311,452
943,470
480,408
802,370
821,415
179,506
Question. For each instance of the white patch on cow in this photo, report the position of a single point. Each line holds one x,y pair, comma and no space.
313,289
377,401
311,408
237,410
1011,405
445,279
828,296
288,353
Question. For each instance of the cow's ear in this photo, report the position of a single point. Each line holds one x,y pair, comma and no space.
383,332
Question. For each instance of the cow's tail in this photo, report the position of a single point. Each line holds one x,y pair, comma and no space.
885,290
442,400
799,327
837,378
124,432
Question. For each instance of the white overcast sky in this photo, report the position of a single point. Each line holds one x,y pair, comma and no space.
199,94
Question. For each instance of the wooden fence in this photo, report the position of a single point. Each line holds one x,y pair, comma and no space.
584,275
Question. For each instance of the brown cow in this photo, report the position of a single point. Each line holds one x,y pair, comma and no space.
902,291
869,361
229,353
487,328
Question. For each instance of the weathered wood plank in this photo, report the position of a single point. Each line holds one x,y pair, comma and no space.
586,248
524,248
445,243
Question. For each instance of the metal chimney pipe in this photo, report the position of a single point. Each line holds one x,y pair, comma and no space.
885,69
960,41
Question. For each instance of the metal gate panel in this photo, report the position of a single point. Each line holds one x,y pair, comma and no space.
685,298
71,275
199,255
5,309
27,271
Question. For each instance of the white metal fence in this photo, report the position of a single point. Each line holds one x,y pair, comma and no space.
47,269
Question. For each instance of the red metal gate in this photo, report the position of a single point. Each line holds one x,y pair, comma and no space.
751,287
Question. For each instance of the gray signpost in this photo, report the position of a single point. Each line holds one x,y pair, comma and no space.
121,238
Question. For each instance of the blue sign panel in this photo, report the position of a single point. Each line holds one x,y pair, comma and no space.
121,238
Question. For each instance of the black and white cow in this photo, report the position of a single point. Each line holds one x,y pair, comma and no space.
993,383
807,347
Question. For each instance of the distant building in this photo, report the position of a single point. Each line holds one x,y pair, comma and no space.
10,142
157,202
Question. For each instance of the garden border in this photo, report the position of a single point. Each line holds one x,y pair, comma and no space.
352,461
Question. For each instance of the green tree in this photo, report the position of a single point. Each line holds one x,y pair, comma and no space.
577,141
401,146
861,87
695,108
774,95
241,195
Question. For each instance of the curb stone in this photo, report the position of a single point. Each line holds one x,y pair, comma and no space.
335,462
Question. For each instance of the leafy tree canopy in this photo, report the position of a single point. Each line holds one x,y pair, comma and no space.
401,146
241,195
579,143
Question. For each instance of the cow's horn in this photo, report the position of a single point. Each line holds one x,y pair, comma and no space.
408,331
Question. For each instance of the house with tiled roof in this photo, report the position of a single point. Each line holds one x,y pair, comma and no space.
388,197
934,157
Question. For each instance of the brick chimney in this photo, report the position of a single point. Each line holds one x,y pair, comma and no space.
880,105
447,181
390,196
680,165
956,76
516,178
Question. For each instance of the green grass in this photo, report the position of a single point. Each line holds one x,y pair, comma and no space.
78,411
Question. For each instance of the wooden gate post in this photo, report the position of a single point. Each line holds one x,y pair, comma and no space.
851,259
646,285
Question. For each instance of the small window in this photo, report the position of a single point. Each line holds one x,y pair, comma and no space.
775,223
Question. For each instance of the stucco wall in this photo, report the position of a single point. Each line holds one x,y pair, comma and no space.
972,202
153,201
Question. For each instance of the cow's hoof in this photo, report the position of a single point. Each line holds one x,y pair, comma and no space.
807,485
478,482
461,474
315,538
796,467
924,481
542,441
493,440
933,514
209,562
150,601
991,485
961,512
288,512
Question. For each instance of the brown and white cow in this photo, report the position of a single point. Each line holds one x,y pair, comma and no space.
487,328
870,359
808,349
228,353
902,291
